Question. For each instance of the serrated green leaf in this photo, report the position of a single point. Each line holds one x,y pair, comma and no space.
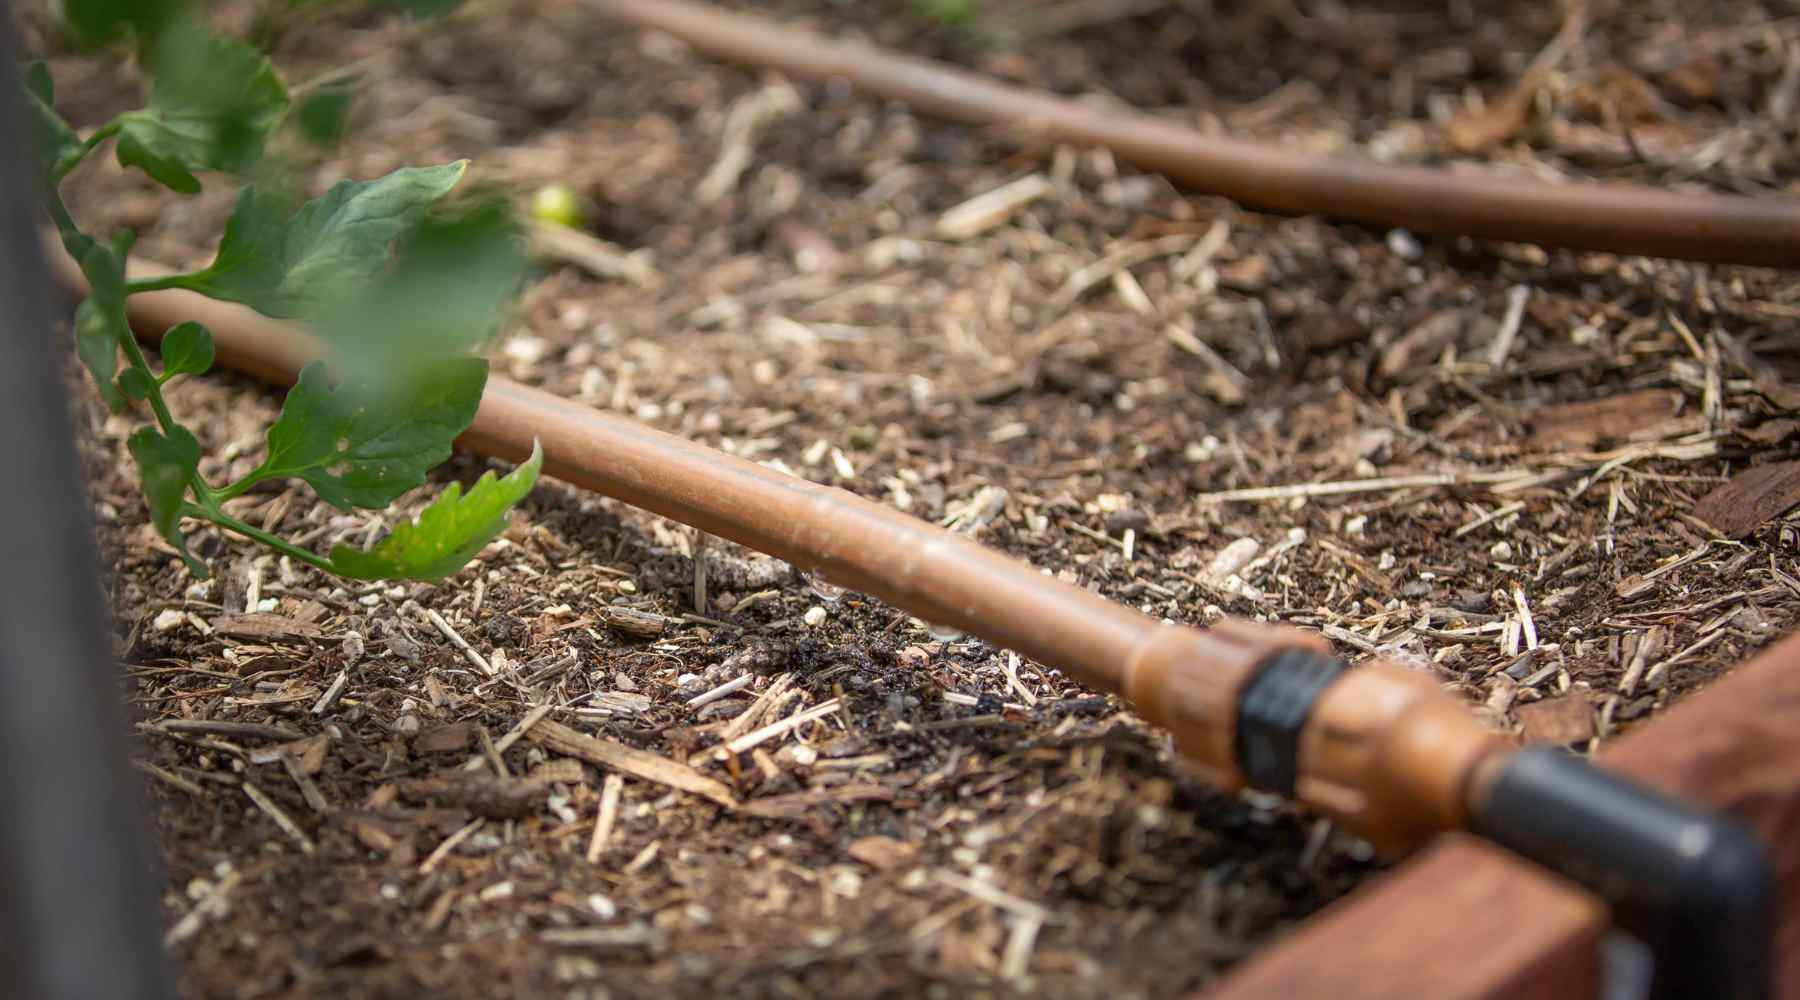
98,348
166,465
447,534
280,262
366,442
187,350
213,104
136,384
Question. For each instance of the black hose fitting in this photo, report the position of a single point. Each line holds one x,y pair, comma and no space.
1696,888
1271,711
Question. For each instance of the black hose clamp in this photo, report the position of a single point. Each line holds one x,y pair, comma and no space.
1272,710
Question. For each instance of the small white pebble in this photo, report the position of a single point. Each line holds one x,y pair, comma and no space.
559,804
526,349
1404,245
815,616
390,891
603,908
499,890
805,756
1502,550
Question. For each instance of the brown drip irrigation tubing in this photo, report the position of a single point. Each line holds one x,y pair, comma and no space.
1385,751
1585,216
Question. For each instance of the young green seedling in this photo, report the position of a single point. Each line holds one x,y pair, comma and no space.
387,271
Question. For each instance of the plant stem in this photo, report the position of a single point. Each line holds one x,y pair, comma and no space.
65,223
67,164
158,284
276,542
135,354
232,491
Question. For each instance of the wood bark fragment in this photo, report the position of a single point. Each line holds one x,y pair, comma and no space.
264,628
481,794
1560,721
241,730
799,803
643,624
1751,498
1589,422
612,756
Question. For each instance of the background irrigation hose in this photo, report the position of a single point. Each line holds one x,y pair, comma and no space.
1608,217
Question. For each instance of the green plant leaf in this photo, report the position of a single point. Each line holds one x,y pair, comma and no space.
187,350
166,466
136,384
100,318
98,348
52,136
100,21
453,278
102,266
137,149
445,535
280,263
426,9
213,104
38,81
366,442
323,113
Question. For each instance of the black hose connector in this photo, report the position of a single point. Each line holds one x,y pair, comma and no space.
1271,711
1697,888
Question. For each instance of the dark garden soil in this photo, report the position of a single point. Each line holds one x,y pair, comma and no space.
1505,448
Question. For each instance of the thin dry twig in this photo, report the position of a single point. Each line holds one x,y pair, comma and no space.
442,851
437,621
280,816
606,817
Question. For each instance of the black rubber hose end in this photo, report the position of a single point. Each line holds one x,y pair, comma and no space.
1696,887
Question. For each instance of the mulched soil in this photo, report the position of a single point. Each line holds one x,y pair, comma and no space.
1492,457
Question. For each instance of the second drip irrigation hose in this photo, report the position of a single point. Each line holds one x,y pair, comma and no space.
1380,748
1616,218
